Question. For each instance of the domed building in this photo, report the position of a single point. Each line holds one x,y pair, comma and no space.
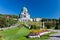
24,16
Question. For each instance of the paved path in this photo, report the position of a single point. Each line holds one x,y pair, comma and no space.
10,27
55,36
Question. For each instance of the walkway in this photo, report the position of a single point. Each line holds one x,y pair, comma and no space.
55,36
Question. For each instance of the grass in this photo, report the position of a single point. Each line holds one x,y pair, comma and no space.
19,34
14,33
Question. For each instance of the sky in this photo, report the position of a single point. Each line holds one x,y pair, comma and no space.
36,8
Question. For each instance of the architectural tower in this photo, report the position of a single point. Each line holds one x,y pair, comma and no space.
24,16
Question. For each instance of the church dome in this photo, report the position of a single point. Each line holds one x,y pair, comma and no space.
24,9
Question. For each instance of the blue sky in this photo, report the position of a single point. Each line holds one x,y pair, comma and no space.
36,8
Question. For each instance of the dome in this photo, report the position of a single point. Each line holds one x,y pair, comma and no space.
24,9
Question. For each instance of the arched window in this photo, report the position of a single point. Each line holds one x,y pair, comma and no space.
24,16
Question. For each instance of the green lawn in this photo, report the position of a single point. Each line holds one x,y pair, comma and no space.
14,33
18,34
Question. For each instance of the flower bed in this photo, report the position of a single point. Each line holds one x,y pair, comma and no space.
38,33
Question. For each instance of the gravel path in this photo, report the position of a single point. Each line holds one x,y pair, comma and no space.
55,36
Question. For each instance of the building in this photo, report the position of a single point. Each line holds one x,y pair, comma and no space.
8,16
25,16
37,19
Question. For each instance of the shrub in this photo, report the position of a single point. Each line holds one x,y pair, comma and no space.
6,22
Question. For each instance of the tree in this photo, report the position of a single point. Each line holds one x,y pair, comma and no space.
59,20
2,22
35,25
6,22
43,20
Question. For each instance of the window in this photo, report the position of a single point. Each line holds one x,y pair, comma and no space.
24,16
24,13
